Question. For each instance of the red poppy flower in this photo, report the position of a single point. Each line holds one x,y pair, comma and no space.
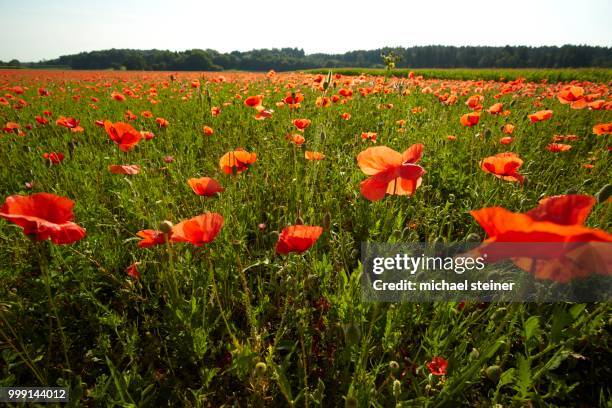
506,140
559,220
390,171
53,157
132,270
297,238
123,134
346,116
147,135
205,186
208,130
151,238
437,366
41,120
128,169
43,216
118,96
540,116
198,230
470,119
503,166
238,160
301,124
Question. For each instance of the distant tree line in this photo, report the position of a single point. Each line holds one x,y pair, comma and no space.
288,59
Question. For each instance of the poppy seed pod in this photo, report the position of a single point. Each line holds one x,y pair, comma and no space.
260,369
166,226
493,373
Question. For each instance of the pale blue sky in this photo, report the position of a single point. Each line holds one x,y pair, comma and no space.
39,29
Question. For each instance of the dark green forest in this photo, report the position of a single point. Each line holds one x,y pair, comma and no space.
289,59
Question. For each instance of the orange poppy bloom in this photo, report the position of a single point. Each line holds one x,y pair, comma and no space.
146,114
293,98
162,123
297,139
301,124
215,111
473,102
506,140
313,155
503,166
43,216
558,219
346,116
508,129
205,186
198,230
263,113
123,134
70,123
11,127
297,238
602,129
470,119
451,138
369,136
237,161
151,238
558,147
253,101
390,171
128,169
208,130
496,108
540,116
571,94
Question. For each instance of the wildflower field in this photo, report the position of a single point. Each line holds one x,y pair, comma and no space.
193,239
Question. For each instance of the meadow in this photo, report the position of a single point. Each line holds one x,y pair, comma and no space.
237,309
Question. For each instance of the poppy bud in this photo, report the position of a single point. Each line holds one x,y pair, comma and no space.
397,389
393,366
352,334
473,237
474,354
260,369
350,402
166,226
604,194
326,220
493,373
